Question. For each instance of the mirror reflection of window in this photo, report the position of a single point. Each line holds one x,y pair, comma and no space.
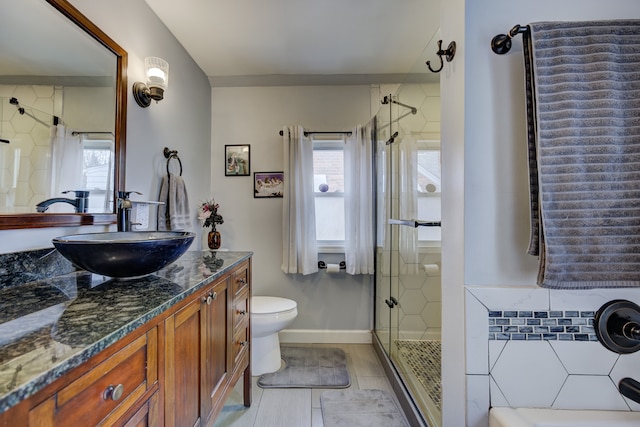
97,173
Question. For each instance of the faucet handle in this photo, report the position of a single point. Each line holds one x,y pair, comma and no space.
78,193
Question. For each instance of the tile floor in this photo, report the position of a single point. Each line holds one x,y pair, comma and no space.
301,407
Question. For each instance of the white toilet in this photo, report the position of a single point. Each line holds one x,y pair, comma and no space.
269,315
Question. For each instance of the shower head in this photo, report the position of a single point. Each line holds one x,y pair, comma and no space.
6,141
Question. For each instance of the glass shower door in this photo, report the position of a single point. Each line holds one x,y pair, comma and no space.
415,345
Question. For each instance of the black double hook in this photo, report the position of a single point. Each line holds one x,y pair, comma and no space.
448,53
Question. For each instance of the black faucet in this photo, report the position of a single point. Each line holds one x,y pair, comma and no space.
80,204
124,210
617,326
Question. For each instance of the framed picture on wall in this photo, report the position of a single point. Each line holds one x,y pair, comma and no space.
268,184
237,160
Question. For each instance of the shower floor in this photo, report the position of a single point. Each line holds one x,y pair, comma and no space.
420,363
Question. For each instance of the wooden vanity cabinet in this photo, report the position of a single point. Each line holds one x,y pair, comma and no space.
196,357
206,353
176,370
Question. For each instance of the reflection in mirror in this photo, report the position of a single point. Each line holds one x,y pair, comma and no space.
62,117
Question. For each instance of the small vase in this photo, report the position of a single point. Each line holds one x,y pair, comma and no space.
214,240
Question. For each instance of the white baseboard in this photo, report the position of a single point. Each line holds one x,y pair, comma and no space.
320,336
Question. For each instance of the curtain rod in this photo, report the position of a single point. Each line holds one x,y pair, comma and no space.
346,132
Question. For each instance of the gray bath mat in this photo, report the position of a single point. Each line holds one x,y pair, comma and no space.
360,408
309,367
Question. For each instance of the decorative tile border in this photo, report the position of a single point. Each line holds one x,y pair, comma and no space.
524,325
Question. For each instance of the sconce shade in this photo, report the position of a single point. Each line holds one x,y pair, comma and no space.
157,70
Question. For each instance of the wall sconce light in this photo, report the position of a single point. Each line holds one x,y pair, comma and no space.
157,70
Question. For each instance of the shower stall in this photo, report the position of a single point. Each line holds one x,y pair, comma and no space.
407,283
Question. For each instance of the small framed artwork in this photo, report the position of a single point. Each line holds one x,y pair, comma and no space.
237,160
268,184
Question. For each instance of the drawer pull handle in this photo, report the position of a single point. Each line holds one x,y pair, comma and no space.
114,392
242,312
243,343
242,281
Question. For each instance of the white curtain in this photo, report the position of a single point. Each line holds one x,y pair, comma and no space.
66,163
299,248
408,175
358,202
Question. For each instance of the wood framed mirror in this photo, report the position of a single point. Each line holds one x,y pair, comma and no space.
62,17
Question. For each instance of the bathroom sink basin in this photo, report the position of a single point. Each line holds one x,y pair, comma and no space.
124,254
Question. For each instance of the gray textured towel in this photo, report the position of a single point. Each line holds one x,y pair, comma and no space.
583,108
174,213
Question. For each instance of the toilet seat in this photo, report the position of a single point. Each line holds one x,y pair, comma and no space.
271,305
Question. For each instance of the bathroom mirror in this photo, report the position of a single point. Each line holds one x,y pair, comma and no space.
57,67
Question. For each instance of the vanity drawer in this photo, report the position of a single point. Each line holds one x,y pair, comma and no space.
105,393
240,278
241,310
240,344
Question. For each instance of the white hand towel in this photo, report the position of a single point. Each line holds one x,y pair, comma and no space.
174,213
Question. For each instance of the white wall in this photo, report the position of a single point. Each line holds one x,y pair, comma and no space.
452,91
496,221
255,115
182,121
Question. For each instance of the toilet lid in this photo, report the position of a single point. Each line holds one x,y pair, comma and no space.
265,305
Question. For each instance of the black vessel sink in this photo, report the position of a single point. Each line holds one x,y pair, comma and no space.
124,254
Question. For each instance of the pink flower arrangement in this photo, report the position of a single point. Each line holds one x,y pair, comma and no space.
208,213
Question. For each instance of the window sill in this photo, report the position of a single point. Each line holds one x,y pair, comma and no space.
328,248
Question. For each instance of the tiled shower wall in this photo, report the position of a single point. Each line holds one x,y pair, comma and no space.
534,347
420,298
24,162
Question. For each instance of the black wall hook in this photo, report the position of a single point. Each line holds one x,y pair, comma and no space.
449,53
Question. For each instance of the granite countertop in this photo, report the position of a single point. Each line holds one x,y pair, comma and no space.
50,326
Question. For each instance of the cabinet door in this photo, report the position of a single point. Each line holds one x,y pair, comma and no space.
215,342
146,416
183,365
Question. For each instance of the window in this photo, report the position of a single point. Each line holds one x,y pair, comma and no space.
429,189
328,170
328,174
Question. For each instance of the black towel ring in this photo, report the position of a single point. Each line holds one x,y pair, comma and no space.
172,154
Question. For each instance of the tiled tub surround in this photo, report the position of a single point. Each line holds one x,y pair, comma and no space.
56,324
566,369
